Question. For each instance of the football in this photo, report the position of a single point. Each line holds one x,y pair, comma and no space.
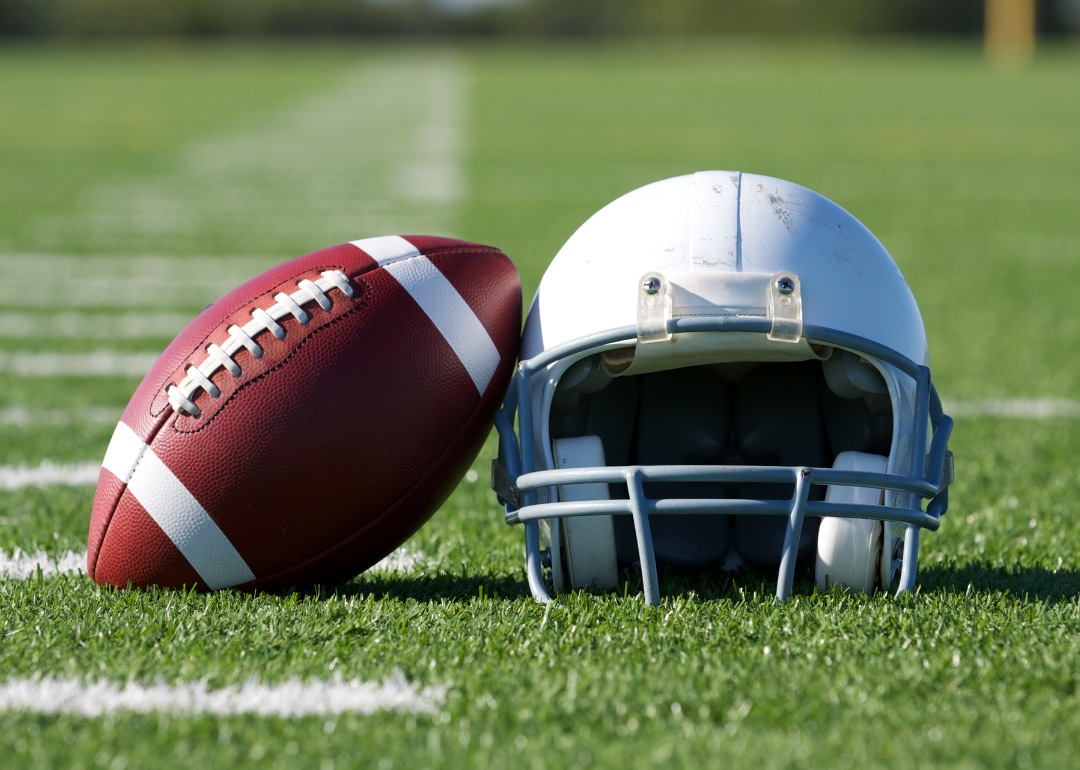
306,424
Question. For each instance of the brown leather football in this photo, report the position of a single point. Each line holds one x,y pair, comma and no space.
310,421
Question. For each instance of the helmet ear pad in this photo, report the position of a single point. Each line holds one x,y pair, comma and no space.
777,419
683,419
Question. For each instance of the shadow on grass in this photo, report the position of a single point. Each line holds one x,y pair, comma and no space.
1031,583
1037,583
704,585
1024,583
435,588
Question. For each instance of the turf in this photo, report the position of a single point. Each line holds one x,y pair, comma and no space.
968,176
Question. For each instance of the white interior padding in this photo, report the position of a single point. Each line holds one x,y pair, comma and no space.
849,550
587,542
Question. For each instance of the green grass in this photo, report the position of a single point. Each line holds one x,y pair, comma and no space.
73,119
967,175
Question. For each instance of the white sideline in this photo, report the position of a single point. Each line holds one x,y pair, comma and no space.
25,416
72,325
100,363
289,699
116,282
1018,408
49,474
21,565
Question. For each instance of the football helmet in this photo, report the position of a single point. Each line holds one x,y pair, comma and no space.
723,369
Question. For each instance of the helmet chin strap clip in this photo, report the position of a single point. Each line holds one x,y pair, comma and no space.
661,297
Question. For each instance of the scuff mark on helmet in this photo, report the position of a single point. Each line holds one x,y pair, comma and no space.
781,208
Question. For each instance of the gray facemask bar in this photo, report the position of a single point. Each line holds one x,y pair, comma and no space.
930,475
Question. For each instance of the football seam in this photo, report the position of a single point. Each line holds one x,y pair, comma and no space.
459,250
123,491
360,304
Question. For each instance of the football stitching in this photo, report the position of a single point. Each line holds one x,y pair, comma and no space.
441,250
199,376
236,309
460,250
359,305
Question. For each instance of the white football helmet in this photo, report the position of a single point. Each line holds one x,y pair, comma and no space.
723,368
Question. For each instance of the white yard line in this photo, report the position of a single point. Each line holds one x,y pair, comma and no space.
401,561
55,281
21,565
99,363
32,417
1017,408
49,474
73,325
290,699
378,153
432,173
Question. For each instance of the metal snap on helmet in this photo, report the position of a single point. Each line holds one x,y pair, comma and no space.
723,369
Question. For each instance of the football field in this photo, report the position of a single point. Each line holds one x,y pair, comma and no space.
139,184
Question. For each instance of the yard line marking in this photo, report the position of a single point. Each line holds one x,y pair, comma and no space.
378,152
433,174
72,325
21,565
99,363
115,282
1017,408
289,699
400,561
24,416
49,474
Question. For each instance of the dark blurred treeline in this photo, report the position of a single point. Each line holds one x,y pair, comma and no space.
119,18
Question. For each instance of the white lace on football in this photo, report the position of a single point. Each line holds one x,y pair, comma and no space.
182,396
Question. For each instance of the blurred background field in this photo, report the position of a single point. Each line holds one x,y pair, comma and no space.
154,155
966,173
88,18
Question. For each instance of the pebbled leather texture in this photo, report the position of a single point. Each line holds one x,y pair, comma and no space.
329,452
